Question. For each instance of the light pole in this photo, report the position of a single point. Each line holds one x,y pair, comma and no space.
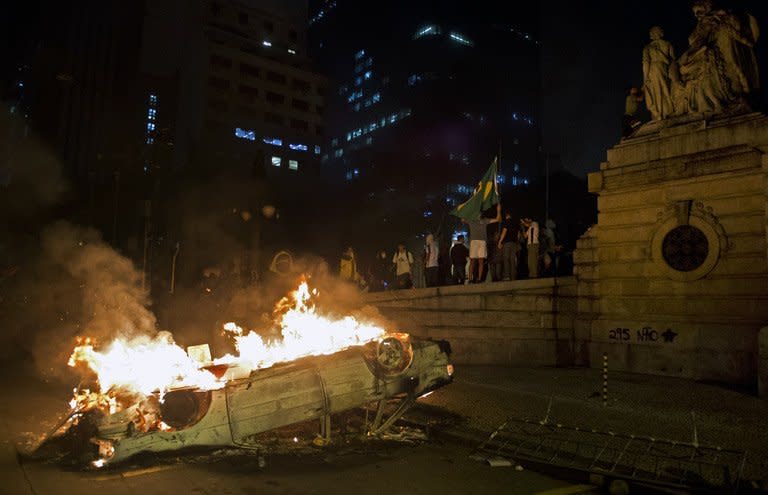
173,267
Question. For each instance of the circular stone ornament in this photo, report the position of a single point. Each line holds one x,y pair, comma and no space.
687,252
685,248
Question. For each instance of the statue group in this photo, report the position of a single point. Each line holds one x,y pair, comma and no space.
718,72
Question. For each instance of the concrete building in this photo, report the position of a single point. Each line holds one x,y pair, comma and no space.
141,101
423,100
261,96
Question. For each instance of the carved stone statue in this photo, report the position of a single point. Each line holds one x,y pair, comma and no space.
719,71
658,56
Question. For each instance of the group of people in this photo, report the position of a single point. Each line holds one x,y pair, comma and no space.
510,241
379,275
518,248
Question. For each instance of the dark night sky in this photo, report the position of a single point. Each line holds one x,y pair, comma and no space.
591,55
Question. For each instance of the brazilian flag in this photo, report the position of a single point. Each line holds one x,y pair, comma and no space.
486,194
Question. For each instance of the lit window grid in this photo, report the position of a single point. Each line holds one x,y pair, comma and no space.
460,39
389,119
151,117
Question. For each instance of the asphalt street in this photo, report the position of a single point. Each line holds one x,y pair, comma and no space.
30,407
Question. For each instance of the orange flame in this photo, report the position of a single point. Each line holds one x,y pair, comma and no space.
144,366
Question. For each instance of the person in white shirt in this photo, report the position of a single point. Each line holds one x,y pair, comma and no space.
532,240
403,261
430,261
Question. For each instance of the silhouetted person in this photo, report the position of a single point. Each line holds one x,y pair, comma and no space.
459,254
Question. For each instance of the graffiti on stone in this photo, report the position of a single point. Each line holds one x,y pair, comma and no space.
644,334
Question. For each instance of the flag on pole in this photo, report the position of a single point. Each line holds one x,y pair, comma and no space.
486,194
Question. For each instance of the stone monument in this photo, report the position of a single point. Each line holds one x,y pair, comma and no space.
673,278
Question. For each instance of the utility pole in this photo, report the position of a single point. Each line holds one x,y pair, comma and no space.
173,267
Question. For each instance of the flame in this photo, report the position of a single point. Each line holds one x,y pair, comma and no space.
142,365
145,366
303,331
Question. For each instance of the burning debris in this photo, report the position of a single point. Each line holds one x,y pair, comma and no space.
149,395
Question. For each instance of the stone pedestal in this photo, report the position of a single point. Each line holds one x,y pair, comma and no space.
677,266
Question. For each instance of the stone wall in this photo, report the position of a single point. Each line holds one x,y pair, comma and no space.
677,266
519,323
672,280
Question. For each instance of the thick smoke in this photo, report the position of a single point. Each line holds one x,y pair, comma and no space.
113,301
73,285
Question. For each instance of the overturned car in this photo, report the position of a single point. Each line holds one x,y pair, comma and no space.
250,402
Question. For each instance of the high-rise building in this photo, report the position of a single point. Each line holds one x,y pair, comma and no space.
424,100
140,100
261,96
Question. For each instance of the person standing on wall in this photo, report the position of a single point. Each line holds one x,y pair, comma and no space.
459,254
484,197
403,261
508,244
532,242
431,267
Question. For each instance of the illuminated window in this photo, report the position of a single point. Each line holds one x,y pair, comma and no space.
317,149
368,74
273,141
245,134
150,140
358,80
292,51
359,54
427,31
376,97
338,153
298,147
293,164
150,126
460,39
276,160
266,43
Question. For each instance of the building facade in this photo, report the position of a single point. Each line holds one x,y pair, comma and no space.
422,102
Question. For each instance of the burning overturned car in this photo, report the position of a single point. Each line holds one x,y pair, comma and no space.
154,397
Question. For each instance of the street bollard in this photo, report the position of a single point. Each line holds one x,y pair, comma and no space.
605,379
